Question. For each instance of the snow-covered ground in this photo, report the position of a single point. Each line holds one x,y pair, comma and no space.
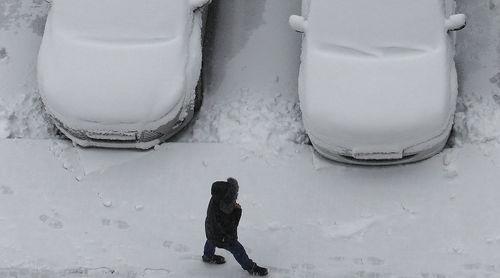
21,27
478,62
250,76
67,212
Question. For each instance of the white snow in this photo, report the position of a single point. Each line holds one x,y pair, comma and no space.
139,207
352,229
303,215
238,61
298,23
337,221
253,120
478,115
21,27
131,75
95,160
450,157
249,98
376,82
456,22
23,117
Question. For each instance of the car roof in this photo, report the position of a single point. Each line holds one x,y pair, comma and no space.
120,19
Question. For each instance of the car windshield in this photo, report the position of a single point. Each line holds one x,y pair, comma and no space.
120,19
376,27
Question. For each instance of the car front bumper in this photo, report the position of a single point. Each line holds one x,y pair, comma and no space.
124,139
410,154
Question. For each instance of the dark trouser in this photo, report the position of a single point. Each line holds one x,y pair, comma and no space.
235,248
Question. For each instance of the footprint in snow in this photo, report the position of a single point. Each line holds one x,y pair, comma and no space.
372,274
106,222
196,258
51,222
280,271
178,247
368,261
490,268
472,266
434,275
496,98
154,273
375,261
122,225
337,259
303,266
181,248
308,266
167,244
301,270
495,79
5,190
86,272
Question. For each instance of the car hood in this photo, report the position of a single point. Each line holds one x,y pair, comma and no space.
112,82
376,103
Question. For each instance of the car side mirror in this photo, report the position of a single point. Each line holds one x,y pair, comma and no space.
456,22
196,4
298,23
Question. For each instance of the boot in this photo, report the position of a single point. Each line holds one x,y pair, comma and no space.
258,271
215,259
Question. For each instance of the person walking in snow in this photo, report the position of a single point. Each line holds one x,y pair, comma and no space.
221,227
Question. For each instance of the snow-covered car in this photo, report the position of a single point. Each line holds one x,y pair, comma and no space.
122,73
378,82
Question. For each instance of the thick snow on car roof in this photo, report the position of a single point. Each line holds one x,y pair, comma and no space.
382,23
376,73
121,19
97,54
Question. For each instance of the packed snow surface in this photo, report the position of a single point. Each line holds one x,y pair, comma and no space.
70,212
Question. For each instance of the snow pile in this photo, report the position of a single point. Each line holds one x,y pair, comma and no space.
22,13
68,157
250,119
479,119
25,118
450,156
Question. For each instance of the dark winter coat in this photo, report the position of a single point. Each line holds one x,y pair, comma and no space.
223,216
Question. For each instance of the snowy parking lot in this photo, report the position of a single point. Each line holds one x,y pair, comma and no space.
70,212
249,97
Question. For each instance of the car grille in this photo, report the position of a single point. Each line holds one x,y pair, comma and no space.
150,135
377,161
